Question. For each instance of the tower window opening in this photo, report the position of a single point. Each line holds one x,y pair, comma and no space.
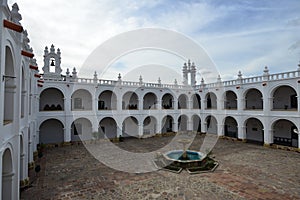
52,65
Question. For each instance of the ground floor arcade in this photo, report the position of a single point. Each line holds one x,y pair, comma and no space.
258,130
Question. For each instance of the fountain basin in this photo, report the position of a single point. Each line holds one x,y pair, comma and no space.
185,159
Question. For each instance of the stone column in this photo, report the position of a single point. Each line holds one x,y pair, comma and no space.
175,126
158,104
203,126
204,104
67,134
241,104
268,137
175,104
190,125
141,103
158,126
189,104
242,132
119,131
220,129
141,129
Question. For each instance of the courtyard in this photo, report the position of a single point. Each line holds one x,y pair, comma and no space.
245,171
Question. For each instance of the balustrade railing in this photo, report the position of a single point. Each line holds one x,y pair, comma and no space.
249,80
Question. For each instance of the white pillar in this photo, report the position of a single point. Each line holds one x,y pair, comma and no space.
119,131
268,136
141,129
203,126
241,104
23,167
175,126
220,104
298,139
242,132
189,104
158,126
67,134
175,104
95,104
141,103
190,125
220,129
158,104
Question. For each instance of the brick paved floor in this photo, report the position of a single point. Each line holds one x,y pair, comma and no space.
246,171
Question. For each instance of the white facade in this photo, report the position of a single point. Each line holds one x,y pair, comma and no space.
56,108
18,90
261,109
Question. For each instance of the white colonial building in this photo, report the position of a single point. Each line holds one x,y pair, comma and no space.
261,109
18,90
56,109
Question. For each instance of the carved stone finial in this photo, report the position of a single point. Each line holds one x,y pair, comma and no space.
266,70
58,51
52,49
15,15
141,79
119,77
95,77
68,72
74,73
299,66
33,62
219,78
193,66
240,75
46,50
26,41
175,82
202,81
159,81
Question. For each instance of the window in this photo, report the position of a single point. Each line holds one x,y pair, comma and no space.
78,103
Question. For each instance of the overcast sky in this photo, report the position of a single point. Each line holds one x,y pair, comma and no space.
237,35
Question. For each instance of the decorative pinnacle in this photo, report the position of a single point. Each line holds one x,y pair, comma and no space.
159,81
266,70
15,15
52,50
240,75
68,72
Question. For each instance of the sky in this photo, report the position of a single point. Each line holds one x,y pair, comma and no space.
237,35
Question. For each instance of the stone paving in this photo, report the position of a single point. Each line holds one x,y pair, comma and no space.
245,171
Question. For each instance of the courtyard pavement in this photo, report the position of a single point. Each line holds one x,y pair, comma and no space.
245,171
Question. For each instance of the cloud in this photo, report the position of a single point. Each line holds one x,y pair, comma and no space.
238,35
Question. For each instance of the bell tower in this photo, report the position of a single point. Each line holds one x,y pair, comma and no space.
189,73
52,61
